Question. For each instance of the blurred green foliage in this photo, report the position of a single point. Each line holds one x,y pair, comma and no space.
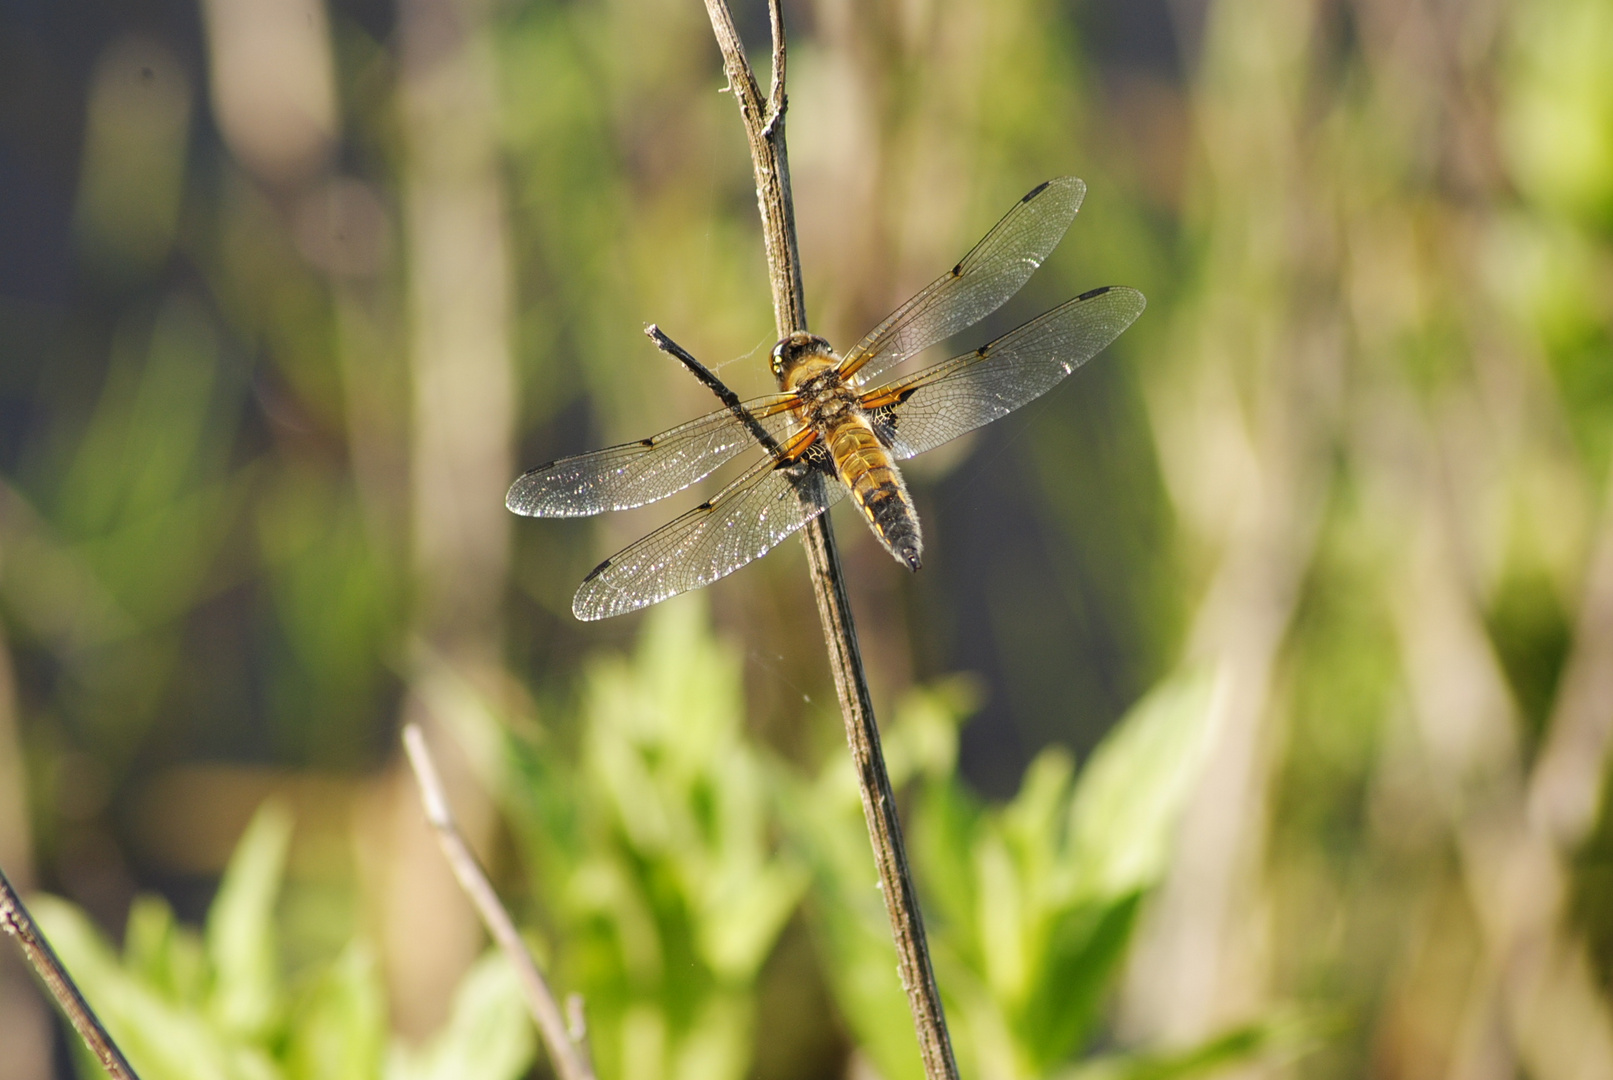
217,1006
1031,904
676,895
666,854
651,858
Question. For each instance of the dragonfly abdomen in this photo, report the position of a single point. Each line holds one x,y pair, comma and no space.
865,466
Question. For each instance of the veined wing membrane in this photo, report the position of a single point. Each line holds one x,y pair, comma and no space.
995,269
635,473
742,523
959,395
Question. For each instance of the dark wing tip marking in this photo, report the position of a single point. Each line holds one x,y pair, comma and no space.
596,571
1099,291
705,505
1035,191
646,442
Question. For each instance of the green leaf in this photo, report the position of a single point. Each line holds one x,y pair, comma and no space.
1285,1034
165,955
738,928
922,740
716,1043
862,974
241,938
945,824
824,818
339,1030
1130,797
162,1040
1078,965
1001,918
488,1035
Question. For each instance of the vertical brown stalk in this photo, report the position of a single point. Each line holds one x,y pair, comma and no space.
764,129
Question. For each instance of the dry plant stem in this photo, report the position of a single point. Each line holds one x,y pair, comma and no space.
567,1049
20,925
764,129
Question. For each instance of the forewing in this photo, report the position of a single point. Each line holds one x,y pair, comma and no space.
983,280
713,540
959,395
632,474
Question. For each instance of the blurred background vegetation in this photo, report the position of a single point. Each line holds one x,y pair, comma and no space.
290,290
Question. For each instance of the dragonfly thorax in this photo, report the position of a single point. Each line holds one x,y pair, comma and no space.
827,400
804,363
800,356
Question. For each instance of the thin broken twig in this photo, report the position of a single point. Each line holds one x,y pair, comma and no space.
709,380
566,1042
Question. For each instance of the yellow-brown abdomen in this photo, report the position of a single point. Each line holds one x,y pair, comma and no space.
866,468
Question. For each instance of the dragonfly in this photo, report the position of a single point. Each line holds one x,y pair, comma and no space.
834,429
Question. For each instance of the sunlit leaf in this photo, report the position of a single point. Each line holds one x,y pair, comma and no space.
1130,797
167,956
338,1031
488,1035
241,938
163,1040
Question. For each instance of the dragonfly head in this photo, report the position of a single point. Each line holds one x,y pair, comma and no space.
799,349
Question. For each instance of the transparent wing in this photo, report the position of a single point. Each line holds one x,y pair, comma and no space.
632,474
959,395
983,280
713,540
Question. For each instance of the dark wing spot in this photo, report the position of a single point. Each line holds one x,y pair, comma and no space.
596,571
1035,191
957,271
909,392
1090,293
646,442
884,423
705,505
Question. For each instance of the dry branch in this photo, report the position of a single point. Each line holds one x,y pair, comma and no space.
565,1041
20,925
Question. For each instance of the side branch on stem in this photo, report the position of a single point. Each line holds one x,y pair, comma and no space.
764,130
565,1041
709,380
19,924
